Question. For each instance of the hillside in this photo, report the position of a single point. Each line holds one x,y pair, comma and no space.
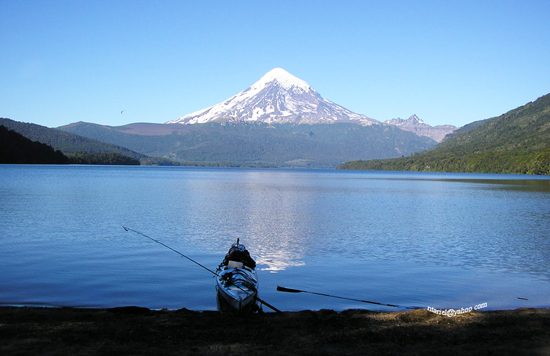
65,142
259,143
515,142
14,148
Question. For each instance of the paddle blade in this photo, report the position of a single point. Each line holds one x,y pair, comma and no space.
288,290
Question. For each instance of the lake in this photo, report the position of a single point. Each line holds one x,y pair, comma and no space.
439,240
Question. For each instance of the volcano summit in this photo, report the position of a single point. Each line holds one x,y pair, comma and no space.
277,98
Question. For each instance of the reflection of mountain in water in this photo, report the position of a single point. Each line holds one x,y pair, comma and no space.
271,212
279,262
275,221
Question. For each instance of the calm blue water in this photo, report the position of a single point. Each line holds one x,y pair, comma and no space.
412,239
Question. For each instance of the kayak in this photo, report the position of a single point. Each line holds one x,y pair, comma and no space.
237,282
236,279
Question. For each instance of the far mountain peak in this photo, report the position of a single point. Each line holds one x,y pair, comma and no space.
415,118
419,127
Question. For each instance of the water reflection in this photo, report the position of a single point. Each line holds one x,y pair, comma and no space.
534,185
274,219
498,181
267,210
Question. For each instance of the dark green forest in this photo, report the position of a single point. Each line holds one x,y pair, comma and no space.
515,142
110,158
16,149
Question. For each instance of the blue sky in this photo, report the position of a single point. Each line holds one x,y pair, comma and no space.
449,62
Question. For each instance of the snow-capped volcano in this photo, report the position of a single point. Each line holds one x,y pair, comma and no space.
278,97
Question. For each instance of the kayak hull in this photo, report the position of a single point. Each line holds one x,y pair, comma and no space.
237,289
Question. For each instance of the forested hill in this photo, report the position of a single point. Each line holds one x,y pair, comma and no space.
14,148
515,142
65,142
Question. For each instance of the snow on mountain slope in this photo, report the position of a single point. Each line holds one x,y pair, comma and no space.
278,97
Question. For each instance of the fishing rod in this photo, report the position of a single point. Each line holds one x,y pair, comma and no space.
170,248
195,262
290,290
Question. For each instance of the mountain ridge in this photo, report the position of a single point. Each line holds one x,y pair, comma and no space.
278,121
419,127
258,143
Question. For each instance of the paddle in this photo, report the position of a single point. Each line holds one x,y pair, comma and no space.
290,290
267,305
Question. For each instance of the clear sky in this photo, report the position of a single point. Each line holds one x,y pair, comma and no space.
449,62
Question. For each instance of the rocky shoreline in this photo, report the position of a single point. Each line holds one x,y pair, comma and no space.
140,331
